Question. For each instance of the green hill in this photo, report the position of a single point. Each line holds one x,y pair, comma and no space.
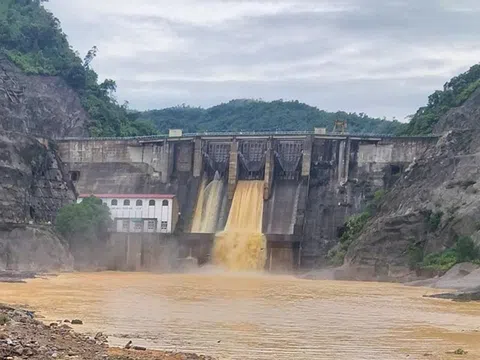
31,37
455,92
255,115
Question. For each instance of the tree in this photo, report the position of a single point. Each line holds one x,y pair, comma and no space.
84,224
258,115
455,92
32,38
91,54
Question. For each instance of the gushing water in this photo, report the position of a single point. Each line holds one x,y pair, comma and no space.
242,246
208,206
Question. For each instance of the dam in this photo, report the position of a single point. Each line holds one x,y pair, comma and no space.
308,183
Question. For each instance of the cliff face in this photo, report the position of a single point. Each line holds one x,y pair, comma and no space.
43,105
33,187
32,248
442,183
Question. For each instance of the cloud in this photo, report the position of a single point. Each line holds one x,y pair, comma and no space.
382,57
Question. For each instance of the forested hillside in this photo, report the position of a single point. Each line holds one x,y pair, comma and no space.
31,37
254,115
454,93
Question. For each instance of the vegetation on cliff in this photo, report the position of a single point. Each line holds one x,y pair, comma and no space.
455,92
352,229
258,115
85,223
31,37
464,250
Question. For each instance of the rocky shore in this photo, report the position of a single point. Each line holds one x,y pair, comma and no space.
24,336
463,279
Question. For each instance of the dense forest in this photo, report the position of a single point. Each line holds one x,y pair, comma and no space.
31,37
256,115
454,93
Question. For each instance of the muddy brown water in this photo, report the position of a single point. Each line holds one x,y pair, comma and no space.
248,316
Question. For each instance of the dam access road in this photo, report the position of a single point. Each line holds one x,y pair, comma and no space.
257,316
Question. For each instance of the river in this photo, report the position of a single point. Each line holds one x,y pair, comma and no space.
242,316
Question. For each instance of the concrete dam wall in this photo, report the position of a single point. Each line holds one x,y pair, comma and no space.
312,183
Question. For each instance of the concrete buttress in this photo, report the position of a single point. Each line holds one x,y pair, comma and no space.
233,170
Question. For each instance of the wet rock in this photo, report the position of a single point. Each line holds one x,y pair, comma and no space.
472,295
456,277
129,345
18,349
77,322
139,348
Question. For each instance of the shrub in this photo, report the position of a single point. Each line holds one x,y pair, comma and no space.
84,223
378,196
440,261
434,220
353,227
336,255
466,250
415,254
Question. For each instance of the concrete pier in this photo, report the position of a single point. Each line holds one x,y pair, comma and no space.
197,158
307,156
233,170
269,171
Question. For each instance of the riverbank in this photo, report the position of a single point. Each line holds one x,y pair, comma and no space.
463,279
24,336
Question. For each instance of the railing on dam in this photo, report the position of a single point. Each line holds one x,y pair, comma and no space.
247,133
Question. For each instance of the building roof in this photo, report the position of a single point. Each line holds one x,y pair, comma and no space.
129,196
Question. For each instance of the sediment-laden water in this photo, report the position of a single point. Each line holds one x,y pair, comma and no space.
242,246
207,210
251,316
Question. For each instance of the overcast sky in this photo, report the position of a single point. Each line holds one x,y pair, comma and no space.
380,57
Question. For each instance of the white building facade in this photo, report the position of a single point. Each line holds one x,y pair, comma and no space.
150,213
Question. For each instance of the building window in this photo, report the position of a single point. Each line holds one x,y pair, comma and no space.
139,203
151,203
114,202
151,224
164,225
126,224
138,226
165,203
126,202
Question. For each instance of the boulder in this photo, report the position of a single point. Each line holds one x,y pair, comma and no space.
455,278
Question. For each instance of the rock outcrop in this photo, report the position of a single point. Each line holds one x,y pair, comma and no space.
437,200
33,248
33,187
43,105
33,182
